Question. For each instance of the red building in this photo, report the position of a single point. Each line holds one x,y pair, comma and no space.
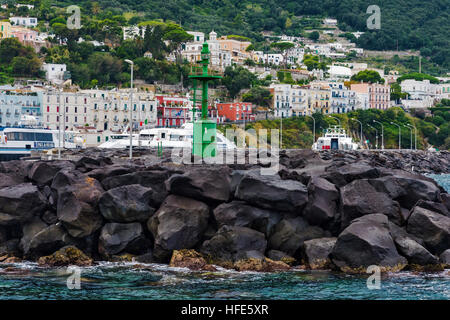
235,111
173,111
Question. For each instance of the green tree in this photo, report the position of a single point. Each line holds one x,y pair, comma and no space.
259,96
370,76
237,78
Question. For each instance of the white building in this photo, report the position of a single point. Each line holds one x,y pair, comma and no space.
191,51
342,99
422,94
24,21
282,107
340,73
106,110
273,58
54,72
330,22
133,32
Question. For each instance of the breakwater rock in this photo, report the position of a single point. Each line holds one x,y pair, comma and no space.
333,210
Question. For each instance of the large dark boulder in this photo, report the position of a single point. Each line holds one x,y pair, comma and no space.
407,190
367,241
446,200
316,252
432,227
29,230
122,237
20,203
290,233
322,202
154,179
234,243
78,197
238,213
414,252
444,258
202,184
109,171
270,192
47,241
360,198
10,179
43,172
347,173
434,206
130,203
178,224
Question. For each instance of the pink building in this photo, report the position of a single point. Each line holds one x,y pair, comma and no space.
379,94
24,35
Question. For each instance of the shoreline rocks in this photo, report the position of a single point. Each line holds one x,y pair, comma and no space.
332,210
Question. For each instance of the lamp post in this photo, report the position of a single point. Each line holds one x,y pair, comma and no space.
415,136
339,121
131,63
314,127
382,134
376,135
361,129
410,132
59,124
399,135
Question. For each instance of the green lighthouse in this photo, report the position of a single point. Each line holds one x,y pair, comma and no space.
204,141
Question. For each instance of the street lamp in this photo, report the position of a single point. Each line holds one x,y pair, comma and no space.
376,135
410,131
314,127
131,63
399,135
415,135
361,132
339,121
382,134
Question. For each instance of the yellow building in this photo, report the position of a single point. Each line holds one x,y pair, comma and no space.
236,49
319,99
5,29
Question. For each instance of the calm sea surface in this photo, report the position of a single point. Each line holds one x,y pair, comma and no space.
128,281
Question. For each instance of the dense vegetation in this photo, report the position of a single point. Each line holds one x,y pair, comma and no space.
405,24
297,131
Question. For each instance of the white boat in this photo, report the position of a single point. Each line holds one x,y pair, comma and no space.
165,137
18,142
335,138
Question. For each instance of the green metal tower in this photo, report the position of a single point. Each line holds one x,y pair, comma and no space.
204,144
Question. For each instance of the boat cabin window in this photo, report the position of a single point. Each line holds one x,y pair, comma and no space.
146,136
163,135
176,137
29,136
118,137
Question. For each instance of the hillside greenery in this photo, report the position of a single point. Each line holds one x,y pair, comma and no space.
405,24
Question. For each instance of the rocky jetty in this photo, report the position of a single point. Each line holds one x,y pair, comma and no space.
332,210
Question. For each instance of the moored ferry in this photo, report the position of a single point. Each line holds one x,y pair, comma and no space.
165,137
335,138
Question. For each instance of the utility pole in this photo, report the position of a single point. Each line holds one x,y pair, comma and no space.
361,130
314,127
399,135
382,134
131,108
410,133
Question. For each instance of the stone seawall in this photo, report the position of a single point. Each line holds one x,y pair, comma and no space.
333,210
